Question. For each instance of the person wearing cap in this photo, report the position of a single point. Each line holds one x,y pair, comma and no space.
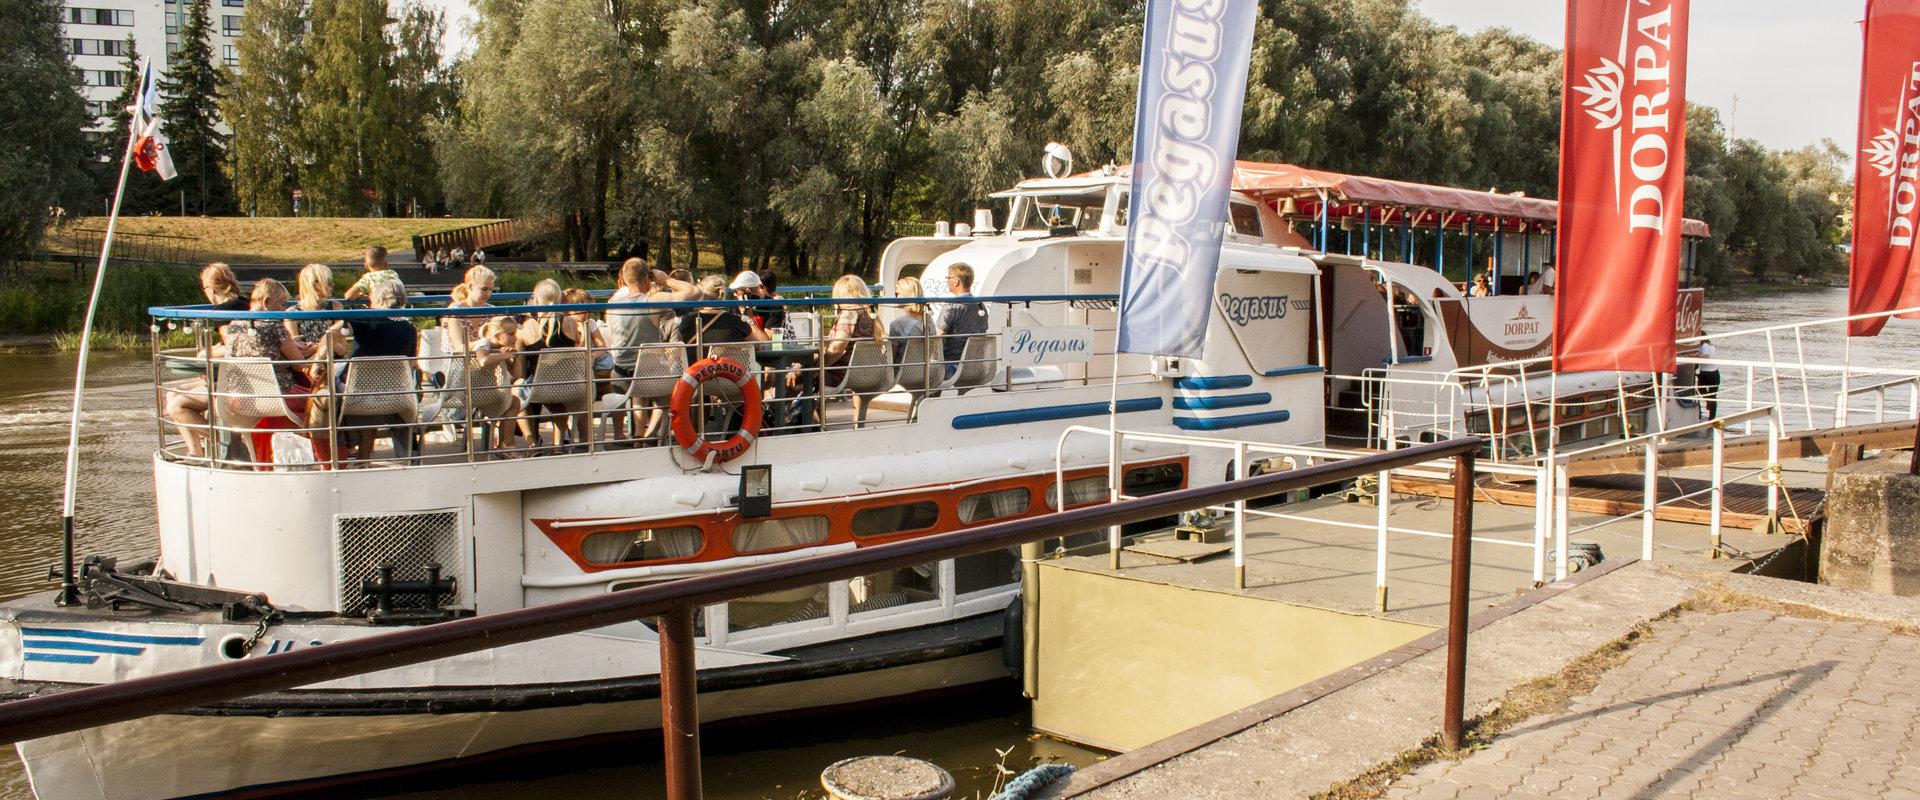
748,286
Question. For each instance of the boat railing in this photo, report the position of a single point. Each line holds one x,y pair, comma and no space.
1252,457
1812,394
462,399
1649,446
675,603
1403,408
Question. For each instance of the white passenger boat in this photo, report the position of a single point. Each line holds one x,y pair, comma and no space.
270,555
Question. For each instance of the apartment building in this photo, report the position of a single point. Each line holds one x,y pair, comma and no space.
96,33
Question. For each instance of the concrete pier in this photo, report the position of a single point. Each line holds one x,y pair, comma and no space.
1130,656
1872,540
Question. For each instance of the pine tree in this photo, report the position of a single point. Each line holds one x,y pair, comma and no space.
348,131
190,114
43,152
263,105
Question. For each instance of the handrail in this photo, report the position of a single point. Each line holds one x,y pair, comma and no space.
67,711
204,311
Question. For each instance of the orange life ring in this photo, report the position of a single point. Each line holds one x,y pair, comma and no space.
680,410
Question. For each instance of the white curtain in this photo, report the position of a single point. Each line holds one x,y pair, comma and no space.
995,505
773,534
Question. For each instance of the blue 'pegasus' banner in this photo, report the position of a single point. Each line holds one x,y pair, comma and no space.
1193,82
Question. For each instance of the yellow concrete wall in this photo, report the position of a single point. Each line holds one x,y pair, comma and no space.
1126,662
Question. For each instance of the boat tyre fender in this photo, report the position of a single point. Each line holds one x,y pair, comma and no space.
680,410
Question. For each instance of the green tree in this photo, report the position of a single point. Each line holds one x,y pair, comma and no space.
348,138
43,154
190,117
263,105
423,96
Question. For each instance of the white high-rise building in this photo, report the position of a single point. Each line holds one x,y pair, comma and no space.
96,33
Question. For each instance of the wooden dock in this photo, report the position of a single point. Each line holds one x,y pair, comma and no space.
1619,495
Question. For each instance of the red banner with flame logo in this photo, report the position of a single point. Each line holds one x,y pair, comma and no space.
1886,202
1623,143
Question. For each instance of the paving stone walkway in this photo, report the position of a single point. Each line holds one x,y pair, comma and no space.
1743,704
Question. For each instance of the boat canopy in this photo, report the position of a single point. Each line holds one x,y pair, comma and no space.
1298,192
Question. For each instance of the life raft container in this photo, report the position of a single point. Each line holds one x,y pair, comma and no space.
680,410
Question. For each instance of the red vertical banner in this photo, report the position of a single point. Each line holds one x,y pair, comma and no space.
1623,144
1886,202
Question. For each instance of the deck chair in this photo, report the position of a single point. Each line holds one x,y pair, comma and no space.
469,383
656,370
382,389
916,375
977,364
564,378
867,373
249,398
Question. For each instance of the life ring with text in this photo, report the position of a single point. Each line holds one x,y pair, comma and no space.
680,410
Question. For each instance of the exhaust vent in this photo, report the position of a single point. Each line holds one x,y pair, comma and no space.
409,543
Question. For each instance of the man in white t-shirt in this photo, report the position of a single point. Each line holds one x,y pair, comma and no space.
1547,277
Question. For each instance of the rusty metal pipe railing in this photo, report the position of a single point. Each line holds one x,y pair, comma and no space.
674,603
1453,717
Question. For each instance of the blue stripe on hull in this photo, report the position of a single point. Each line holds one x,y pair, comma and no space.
103,636
62,658
1017,416
1285,371
1221,401
84,647
1223,423
1214,382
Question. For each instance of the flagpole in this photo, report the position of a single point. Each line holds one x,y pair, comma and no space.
69,582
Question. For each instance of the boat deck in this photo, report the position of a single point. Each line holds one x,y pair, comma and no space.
1332,568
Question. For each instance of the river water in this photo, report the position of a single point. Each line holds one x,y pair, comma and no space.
772,760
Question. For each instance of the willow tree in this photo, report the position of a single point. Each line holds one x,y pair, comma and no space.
552,105
263,105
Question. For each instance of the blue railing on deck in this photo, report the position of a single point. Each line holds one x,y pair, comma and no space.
209,312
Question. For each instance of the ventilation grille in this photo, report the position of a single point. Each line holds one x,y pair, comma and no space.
408,542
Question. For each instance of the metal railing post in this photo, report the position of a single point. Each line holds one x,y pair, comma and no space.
1718,482
1453,720
1542,520
679,710
1649,498
1562,487
1773,468
1384,495
1240,520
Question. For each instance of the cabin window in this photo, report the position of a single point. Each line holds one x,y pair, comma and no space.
900,587
1080,491
1154,479
1246,219
983,571
775,534
995,505
896,518
646,544
778,608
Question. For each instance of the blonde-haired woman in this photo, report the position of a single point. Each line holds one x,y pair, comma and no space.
852,322
545,330
270,339
315,283
475,289
912,322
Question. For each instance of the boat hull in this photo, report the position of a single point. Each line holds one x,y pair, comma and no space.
303,740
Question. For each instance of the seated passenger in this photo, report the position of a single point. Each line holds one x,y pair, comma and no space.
266,338
379,338
495,346
541,331
185,402
912,323
716,325
316,294
961,319
473,292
